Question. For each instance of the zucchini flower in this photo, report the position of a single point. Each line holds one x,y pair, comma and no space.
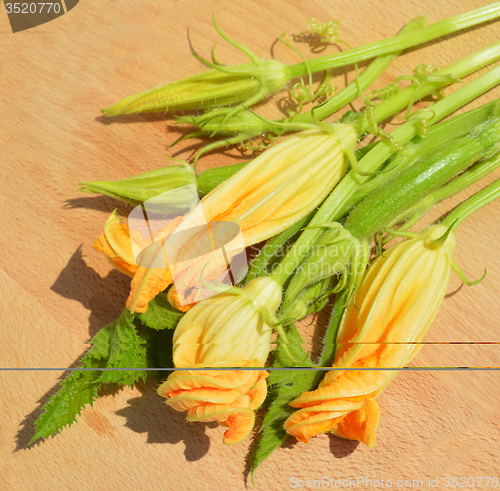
231,329
284,183
395,304
265,197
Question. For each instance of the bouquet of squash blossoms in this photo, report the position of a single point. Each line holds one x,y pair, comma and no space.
324,205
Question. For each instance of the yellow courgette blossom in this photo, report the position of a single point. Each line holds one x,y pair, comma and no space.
395,305
227,330
267,196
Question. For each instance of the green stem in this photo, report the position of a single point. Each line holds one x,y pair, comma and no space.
398,43
260,265
463,181
409,186
327,356
371,162
459,69
464,210
366,79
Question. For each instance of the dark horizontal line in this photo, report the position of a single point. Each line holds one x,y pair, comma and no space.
242,368
408,343
426,342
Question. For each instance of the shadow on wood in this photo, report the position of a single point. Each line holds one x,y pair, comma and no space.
103,297
149,414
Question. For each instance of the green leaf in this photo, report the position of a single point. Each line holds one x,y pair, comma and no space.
287,385
118,345
284,387
78,389
126,350
99,345
158,351
160,314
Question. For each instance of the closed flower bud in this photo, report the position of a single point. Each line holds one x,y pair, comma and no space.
283,184
228,330
143,187
221,86
395,305
228,326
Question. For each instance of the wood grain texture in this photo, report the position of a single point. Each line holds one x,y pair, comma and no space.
56,291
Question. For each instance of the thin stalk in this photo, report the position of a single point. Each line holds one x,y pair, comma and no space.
398,43
474,203
371,162
399,101
213,121
250,127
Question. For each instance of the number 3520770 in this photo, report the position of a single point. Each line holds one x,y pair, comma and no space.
33,8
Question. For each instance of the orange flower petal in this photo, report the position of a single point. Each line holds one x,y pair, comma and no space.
226,396
153,274
361,425
173,298
240,425
115,243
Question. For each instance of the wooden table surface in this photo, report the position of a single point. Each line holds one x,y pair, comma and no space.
56,291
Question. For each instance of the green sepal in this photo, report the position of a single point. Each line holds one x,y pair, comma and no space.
211,178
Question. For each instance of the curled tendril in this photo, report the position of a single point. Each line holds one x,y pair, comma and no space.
371,120
423,70
302,93
262,145
422,75
423,123
376,130
328,31
385,92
